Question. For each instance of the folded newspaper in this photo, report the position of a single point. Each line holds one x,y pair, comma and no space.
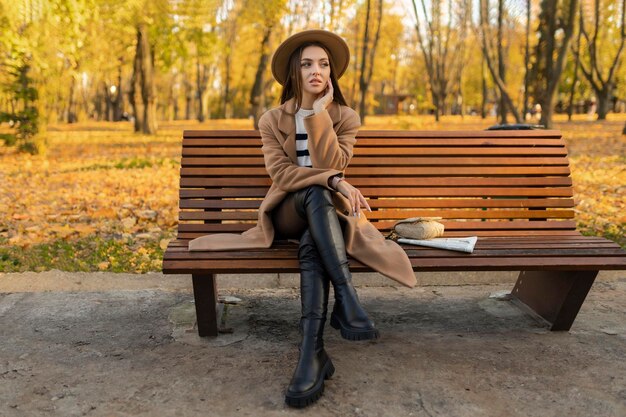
463,244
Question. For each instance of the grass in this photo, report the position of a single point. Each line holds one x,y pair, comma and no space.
89,254
105,199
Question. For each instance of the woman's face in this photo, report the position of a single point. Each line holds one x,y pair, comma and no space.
315,70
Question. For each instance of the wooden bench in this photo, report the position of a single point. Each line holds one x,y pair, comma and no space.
511,188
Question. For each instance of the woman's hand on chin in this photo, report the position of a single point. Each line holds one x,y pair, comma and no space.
354,196
325,98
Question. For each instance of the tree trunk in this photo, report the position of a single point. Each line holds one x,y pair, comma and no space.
552,69
108,103
148,94
97,105
604,100
527,60
624,131
355,68
71,105
570,108
483,102
436,104
256,95
188,97
362,86
501,63
134,94
117,102
200,87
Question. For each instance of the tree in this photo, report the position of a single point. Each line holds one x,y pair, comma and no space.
435,37
527,60
228,32
149,19
556,25
24,51
570,107
268,13
197,42
487,49
142,92
26,114
599,48
368,52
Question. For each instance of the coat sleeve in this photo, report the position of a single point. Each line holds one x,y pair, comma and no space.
330,149
283,172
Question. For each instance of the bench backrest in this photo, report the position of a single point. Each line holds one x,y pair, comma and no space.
488,183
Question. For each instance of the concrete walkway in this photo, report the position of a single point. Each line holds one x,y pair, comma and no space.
125,345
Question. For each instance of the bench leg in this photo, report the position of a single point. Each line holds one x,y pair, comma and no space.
555,295
205,295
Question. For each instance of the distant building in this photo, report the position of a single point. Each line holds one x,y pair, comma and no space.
390,103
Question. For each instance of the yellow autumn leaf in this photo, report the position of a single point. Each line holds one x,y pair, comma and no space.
103,266
104,213
163,243
62,231
84,229
128,223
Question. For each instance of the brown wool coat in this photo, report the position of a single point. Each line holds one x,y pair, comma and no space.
331,138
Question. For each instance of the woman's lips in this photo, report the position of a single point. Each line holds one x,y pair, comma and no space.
315,82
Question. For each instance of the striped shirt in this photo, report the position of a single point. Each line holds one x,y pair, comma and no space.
302,139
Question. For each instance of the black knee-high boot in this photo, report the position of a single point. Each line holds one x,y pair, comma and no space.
315,205
314,364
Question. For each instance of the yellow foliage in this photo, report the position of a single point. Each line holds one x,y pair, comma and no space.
101,179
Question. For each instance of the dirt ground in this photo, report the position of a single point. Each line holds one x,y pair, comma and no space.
443,351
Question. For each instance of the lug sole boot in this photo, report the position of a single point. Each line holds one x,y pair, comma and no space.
314,365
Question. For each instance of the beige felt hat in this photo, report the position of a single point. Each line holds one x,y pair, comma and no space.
337,47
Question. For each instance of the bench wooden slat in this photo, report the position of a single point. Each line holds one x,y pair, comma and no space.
404,151
228,228
462,134
422,253
530,242
393,171
397,214
401,203
413,192
386,142
449,225
393,181
420,264
374,161
474,226
468,192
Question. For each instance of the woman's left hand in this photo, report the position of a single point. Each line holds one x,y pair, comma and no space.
354,196
325,99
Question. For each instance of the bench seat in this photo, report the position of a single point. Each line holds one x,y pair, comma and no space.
555,253
512,189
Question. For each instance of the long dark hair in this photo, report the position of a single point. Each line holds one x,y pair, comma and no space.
293,84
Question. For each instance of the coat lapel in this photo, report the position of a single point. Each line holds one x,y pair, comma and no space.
287,125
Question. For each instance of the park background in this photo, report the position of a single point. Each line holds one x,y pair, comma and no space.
95,94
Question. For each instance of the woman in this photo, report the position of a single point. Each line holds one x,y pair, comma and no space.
307,144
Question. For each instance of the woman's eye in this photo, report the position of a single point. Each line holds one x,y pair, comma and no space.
305,64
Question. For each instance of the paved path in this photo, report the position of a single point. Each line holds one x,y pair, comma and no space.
131,350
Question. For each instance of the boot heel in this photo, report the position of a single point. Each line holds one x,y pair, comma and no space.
330,370
353,334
